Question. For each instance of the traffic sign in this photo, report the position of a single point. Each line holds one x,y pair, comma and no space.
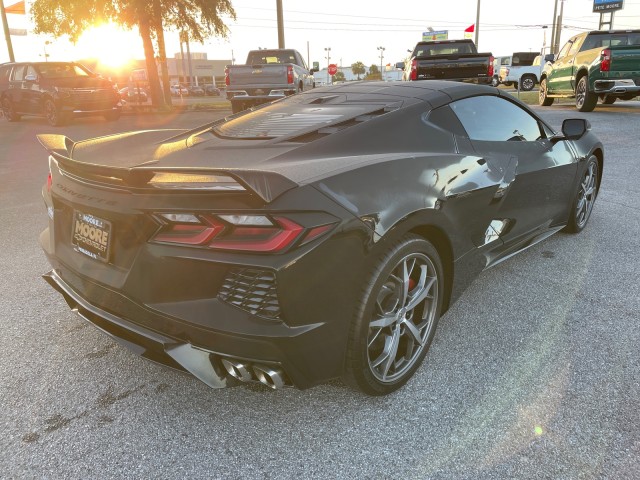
333,69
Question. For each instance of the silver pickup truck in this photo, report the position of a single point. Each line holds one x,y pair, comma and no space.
267,76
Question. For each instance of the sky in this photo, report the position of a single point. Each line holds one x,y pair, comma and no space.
351,31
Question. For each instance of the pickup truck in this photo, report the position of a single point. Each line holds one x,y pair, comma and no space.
594,65
267,76
524,73
449,60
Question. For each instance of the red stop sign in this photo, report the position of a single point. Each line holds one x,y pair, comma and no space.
333,69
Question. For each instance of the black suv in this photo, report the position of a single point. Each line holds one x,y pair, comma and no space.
55,90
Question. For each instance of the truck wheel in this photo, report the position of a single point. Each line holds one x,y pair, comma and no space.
607,99
543,100
52,113
527,83
8,111
495,81
585,100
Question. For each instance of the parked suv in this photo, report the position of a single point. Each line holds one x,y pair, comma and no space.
55,90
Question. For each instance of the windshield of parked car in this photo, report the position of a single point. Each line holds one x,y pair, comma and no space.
62,70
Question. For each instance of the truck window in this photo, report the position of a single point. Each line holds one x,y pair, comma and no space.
610,40
442,49
574,48
565,50
270,57
18,73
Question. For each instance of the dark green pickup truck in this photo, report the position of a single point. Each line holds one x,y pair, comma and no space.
592,65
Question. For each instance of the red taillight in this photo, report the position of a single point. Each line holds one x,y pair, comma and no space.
227,81
490,70
49,182
289,74
414,70
605,60
251,233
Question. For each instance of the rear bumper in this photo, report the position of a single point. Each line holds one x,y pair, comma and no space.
616,86
291,353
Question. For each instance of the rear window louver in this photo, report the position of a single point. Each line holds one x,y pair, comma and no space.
325,131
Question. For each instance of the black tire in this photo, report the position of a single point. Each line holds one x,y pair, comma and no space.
112,116
607,99
495,81
584,198
9,111
585,100
52,113
396,317
527,83
543,99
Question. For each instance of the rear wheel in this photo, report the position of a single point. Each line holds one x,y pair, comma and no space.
543,99
607,99
585,197
585,100
495,81
396,318
9,111
527,83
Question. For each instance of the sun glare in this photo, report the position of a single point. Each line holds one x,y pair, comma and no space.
109,44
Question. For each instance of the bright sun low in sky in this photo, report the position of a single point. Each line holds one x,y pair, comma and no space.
110,44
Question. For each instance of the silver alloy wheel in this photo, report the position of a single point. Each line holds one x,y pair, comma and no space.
586,195
581,93
404,316
527,84
51,112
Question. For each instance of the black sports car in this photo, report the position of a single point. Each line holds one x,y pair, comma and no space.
316,237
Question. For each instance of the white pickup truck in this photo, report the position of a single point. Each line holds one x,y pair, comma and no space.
527,75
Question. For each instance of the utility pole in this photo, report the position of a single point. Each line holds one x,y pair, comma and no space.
553,28
7,35
382,49
477,27
328,50
280,24
556,43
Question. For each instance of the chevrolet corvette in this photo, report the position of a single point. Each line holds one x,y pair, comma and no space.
321,236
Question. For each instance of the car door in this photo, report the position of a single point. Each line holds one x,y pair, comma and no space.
535,190
15,88
559,79
31,95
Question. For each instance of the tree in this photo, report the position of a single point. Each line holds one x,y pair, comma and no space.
339,77
358,69
201,18
374,73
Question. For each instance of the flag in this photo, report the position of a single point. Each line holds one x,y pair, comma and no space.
16,8
470,29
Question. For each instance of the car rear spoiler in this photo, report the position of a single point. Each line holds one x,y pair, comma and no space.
265,184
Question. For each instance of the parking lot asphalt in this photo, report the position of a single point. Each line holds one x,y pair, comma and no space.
534,373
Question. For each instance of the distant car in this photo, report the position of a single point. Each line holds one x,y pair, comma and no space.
179,90
196,91
210,90
133,95
56,91
319,236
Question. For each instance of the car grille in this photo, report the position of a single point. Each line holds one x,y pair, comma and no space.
95,96
252,290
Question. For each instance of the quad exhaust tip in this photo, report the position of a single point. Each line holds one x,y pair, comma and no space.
272,377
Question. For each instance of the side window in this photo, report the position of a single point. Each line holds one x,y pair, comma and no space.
18,73
575,47
4,73
494,119
565,49
31,71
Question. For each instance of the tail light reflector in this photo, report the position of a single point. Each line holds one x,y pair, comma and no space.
414,70
289,74
605,60
490,70
227,80
250,233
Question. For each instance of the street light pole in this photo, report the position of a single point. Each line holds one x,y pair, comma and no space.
381,49
7,34
477,27
328,50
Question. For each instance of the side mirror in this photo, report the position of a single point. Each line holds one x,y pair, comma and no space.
30,78
550,57
400,65
572,129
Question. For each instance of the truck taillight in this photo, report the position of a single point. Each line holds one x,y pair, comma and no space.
414,70
490,70
227,81
289,74
605,60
